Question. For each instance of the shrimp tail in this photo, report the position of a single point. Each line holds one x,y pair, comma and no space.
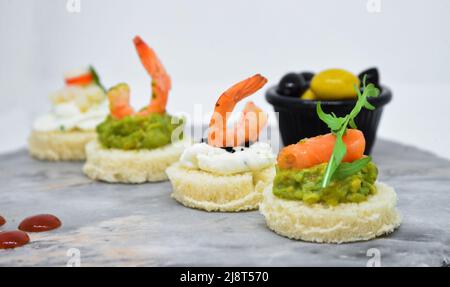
161,82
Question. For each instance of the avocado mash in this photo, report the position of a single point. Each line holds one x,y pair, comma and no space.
139,132
305,185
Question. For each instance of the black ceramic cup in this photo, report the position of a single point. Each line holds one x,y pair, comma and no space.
297,118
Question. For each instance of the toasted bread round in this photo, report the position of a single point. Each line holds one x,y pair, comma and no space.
59,145
345,222
130,166
212,192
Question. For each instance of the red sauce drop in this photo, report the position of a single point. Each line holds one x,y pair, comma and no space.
2,220
40,223
13,239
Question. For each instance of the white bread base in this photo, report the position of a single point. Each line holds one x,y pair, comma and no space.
59,145
130,166
345,222
211,192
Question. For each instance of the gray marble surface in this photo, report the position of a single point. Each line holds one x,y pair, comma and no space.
140,225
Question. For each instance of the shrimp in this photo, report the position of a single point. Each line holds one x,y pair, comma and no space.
252,116
119,101
161,83
251,122
317,150
119,96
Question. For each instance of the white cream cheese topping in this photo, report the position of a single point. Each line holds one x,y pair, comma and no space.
74,107
217,160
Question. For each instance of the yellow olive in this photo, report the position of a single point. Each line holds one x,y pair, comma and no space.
308,95
334,84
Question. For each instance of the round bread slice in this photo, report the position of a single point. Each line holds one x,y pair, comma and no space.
346,222
130,166
213,192
59,145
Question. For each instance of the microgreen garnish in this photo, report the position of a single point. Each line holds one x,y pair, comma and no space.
338,126
96,78
348,168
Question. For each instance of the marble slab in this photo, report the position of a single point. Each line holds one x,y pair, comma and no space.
140,225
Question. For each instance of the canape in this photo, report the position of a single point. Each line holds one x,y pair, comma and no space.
136,147
76,110
326,190
231,169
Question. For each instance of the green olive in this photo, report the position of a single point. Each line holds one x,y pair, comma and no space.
308,95
334,84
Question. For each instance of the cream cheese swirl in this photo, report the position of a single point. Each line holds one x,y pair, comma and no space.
219,161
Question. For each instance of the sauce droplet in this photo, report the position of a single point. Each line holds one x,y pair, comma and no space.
40,223
2,220
13,239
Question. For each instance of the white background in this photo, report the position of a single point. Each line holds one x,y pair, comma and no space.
208,45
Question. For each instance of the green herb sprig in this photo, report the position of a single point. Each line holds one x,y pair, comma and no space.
96,78
338,126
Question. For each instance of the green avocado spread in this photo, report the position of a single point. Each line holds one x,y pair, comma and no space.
305,185
139,132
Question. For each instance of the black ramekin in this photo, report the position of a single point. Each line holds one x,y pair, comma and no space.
297,118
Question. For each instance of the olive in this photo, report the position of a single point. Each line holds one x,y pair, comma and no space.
307,76
334,84
292,85
308,95
372,76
